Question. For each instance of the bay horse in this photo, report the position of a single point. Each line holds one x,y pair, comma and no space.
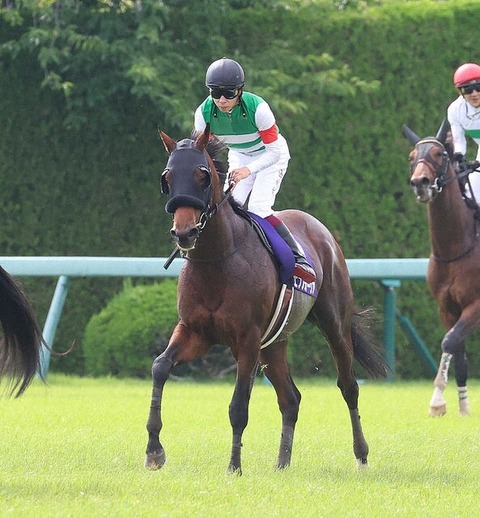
22,339
453,274
227,294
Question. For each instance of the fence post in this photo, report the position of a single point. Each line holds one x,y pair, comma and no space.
51,323
389,321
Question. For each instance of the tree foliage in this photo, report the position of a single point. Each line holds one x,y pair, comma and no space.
87,84
113,53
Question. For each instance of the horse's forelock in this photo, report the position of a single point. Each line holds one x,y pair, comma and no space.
185,143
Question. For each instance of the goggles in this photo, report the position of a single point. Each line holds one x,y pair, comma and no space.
228,93
468,89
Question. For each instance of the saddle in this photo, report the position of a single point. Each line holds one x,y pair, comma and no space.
274,244
278,248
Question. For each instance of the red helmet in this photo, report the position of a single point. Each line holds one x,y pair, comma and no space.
466,73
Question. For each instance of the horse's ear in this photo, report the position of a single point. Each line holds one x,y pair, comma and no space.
168,142
202,139
442,131
412,137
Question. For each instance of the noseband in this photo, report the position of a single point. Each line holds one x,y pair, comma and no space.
441,179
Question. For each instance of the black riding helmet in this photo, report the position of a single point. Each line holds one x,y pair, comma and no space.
225,73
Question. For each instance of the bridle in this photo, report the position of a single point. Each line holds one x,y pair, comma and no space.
208,212
442,180
212,209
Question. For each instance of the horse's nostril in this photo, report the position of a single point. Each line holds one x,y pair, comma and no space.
185,238
420,182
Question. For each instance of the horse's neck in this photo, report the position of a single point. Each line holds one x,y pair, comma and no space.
451,223
220,237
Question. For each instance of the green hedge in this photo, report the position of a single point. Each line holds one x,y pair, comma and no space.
94,190
131,331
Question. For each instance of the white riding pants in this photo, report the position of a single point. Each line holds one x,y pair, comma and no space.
262,188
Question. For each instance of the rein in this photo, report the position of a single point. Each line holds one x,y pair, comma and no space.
464,254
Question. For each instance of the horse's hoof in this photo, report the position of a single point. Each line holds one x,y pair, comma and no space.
235,471
464,409
437,411
155,460
362,464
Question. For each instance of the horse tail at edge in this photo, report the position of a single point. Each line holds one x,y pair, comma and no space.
22,338
366,348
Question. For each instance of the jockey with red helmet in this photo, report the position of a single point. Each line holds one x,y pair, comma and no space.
258,154
464,117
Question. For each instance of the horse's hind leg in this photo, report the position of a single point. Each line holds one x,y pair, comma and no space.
274,360
348,386
342,350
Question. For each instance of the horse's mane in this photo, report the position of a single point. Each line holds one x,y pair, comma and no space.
217,152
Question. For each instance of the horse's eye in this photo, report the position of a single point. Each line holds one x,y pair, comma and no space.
164,181
203,177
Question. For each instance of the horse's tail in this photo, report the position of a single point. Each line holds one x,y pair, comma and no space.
22,338
366,349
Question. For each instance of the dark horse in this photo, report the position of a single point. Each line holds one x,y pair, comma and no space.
227,294
22,338
453,275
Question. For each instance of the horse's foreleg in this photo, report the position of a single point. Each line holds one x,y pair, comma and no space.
155,453
453,345
276,369
438,405
461,375
184,346
451,342
238,411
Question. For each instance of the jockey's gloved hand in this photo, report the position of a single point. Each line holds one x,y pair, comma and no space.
459,162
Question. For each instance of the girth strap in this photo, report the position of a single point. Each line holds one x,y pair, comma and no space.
280,316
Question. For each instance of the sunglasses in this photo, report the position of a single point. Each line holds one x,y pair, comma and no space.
468,89
228,93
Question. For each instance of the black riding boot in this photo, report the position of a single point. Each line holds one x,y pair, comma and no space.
308,273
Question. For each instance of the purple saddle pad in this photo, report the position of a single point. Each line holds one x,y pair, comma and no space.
281,250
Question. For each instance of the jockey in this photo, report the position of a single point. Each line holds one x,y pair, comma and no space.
258,154
464,117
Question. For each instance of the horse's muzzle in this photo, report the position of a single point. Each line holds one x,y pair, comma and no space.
186,239
423,189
